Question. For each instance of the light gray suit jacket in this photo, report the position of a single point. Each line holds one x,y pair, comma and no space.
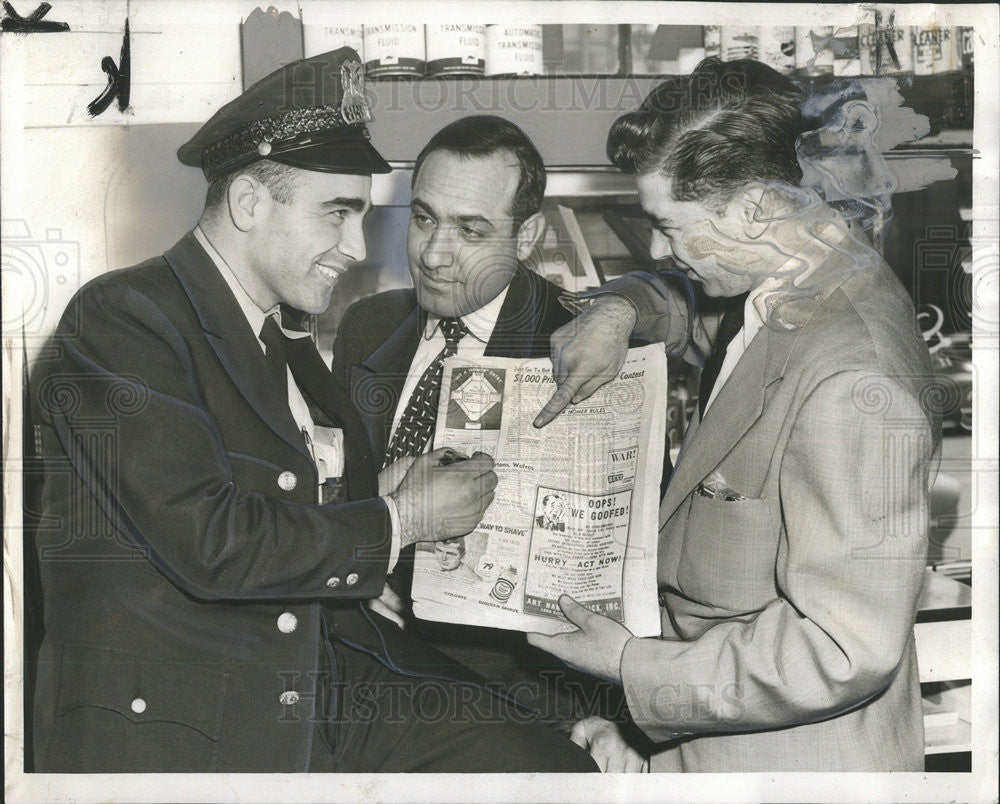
787,617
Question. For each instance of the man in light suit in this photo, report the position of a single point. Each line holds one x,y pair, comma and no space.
794,528
204,574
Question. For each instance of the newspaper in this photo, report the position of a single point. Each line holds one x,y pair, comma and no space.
576,505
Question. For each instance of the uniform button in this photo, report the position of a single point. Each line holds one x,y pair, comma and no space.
288,698
352,579
287,622
287,481
138,706
333,582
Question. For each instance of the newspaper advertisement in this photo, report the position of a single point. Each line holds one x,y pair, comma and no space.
576,504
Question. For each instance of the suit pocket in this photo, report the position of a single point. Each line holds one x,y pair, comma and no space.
728,555
118,711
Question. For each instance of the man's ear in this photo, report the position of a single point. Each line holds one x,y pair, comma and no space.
756,212
529,234
249,202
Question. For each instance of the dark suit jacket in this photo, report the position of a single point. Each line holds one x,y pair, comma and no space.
174,537
378,337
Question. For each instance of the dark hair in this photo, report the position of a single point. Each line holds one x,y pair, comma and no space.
458,541
711,132
280,181
483,135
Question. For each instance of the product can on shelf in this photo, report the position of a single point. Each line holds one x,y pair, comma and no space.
394,49
812,54
777,47
456,49
935,50
590,50
740,42
514,50
318,39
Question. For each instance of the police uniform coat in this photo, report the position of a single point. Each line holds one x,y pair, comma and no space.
189,577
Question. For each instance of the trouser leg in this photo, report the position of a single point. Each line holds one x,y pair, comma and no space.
391,723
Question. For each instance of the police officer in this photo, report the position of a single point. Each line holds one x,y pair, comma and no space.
216,524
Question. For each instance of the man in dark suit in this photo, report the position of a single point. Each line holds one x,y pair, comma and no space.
203,574
477,191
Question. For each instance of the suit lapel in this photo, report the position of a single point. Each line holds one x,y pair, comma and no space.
514,332
737,406
229,335
529,314
377,383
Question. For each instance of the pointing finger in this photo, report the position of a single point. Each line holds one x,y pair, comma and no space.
557,402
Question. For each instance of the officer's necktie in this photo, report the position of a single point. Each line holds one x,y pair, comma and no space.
274,342
417,422
309,374
732,323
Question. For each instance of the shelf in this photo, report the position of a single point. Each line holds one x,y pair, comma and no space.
943,630
582,180
956,736
941,593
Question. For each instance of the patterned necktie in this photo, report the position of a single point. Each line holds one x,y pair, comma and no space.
417,422
732,323
274,341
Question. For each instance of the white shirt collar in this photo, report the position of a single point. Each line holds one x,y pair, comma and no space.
480,323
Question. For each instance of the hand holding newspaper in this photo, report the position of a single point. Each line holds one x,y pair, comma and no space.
576,505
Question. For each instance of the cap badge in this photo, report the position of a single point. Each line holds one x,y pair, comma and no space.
353,106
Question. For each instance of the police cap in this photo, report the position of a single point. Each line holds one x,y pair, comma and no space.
309,114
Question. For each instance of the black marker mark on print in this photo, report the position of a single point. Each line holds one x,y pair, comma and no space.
33,23
119,80
885,40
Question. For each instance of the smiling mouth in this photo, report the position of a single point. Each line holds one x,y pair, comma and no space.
330,272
